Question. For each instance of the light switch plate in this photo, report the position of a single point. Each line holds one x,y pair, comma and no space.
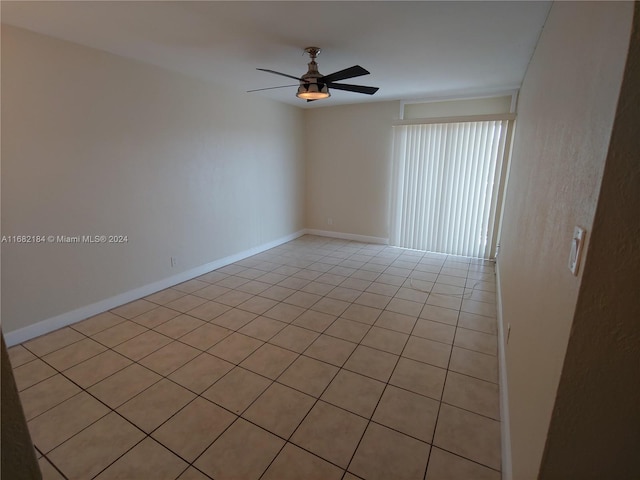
576,249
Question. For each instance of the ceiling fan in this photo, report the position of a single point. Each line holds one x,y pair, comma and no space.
315,86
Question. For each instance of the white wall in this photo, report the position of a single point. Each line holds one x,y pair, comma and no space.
565,116
97,144
348,152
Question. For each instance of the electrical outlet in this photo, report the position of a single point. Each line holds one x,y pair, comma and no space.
174,262
329,221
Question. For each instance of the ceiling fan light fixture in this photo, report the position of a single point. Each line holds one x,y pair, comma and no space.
310,91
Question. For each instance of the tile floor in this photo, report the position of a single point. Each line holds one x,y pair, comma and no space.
319,359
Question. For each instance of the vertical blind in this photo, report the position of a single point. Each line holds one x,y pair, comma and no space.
446,186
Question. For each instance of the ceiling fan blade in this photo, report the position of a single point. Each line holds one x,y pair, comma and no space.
353,88
351,72
271,88
278,73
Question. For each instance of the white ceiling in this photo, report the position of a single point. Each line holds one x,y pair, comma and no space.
416,49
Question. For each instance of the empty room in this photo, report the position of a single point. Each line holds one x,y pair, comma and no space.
375,240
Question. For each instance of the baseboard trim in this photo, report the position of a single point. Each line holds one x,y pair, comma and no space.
347,236
505,425
68,318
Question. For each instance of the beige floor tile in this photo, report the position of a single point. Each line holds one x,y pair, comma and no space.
31,373
277,293
294,338
470,435
97,323
269,361
419,377
308,375
479,295
479,308
257,305
389,279
354,392
330,432
53,341
386,340
209,310
293,463
142,345
254,287
373,300
18,355
331,350
201,372
190,286
124,385
179,326
384,453
155,405
243,451
428,351
279,409
479,323
440,314
413,294
477,341
170,357
271,278
65,420
165,296
318,288
316,321
148,459
331,279
190,431
262,328
344,294
235,348
451,290
348,330
97,368
302,299
362,314
472,394
233,298
383,288
206,336
48,470
155,317
119,334
284,312
440,332
96,447
372,363
192,473
213,277
330,306
212,292
405,307
45,395
475,364
186,303
447,466
396,321
407,412
451,280
444,300
133,309
237,389
73,354
234,319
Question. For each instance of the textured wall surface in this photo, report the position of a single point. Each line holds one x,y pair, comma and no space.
96,144
565,117
595,428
